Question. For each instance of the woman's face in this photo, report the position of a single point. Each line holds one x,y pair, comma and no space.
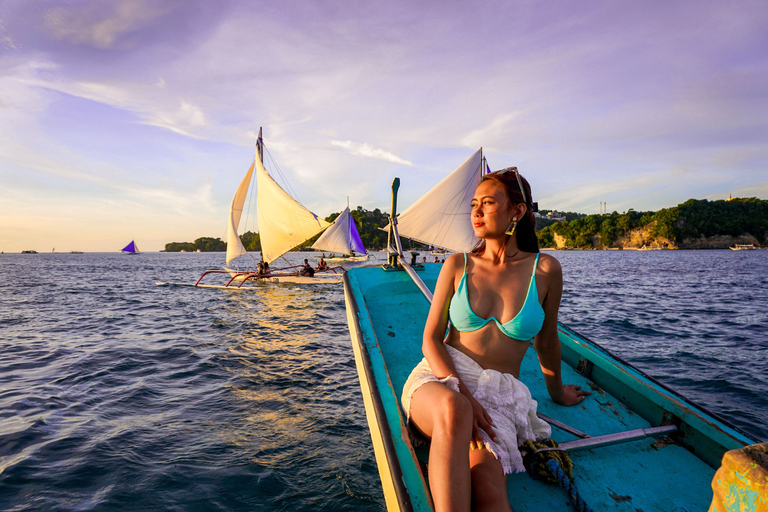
490,210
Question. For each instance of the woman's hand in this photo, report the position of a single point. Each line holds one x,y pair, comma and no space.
480,420
572,395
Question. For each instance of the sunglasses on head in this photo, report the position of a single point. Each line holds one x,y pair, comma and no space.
534,206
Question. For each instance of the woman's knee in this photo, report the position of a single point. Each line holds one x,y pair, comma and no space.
454,412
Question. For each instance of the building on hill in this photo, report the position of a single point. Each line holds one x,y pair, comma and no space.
555,216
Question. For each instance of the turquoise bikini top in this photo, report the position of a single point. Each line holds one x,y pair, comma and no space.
526,324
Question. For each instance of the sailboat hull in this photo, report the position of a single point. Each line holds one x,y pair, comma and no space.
349,259
386,315
286,277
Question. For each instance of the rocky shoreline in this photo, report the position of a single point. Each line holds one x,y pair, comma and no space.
641,239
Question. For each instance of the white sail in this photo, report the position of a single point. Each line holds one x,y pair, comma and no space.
283,223
341,237
234,245
442,216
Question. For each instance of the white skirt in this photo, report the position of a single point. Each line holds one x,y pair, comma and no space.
507,400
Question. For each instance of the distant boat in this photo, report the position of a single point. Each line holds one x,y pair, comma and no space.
284,225
131,248
437,252
743,247
342,237
75,252
29,252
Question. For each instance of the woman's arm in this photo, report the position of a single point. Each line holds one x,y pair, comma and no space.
437,321
437,355
547,343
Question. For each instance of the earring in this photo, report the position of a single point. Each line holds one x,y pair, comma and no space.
512,225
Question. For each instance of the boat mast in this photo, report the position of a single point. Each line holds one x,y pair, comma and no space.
260,147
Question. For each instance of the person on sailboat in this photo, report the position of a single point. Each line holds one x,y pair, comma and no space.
263,268
307,270
465,396
322,265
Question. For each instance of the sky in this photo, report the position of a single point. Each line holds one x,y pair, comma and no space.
137,119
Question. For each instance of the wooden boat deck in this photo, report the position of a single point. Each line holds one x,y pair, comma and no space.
388,313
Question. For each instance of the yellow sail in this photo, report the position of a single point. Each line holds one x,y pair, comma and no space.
284,223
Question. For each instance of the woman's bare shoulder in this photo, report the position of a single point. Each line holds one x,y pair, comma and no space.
453,263
450,271
549,265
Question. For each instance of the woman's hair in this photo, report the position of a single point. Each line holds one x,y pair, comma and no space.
526,226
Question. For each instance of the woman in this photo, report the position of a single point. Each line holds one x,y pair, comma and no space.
464,396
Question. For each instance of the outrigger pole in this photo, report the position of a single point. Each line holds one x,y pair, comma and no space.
396,256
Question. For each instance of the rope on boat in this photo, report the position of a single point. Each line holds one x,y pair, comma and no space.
553,466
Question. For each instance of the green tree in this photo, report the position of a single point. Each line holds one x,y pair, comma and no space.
607,232
179,246
251,241
207,244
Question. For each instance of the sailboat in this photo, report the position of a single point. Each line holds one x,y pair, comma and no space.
342,237
131,248
386,312
284,225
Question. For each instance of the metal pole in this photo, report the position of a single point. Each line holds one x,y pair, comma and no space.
611,439
407,267
562,426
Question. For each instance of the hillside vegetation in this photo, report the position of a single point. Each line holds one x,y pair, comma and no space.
696,223
368,224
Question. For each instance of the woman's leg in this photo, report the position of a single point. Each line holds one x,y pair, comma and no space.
445,416
489,483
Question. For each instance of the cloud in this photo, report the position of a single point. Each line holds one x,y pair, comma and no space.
5,38
368,151
102,25
153,108
185,120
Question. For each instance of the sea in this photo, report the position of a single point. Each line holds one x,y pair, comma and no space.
119,394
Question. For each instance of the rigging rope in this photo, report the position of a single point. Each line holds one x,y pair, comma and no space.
286,184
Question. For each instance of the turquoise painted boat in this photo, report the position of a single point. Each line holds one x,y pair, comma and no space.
635,444
386,313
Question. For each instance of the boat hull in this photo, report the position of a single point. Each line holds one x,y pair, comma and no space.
349,259
386,315
287,277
